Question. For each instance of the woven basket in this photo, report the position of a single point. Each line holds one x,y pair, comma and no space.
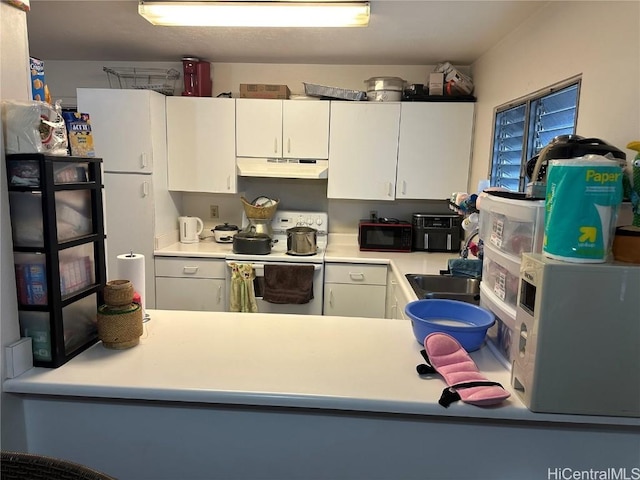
29,466
265,213
118,293
120,327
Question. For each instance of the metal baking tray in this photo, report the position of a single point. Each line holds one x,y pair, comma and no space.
322,91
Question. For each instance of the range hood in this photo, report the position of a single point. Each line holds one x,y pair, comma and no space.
282,168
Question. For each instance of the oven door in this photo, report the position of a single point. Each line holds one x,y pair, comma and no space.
313,307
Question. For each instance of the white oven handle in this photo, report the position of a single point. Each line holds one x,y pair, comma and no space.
259,267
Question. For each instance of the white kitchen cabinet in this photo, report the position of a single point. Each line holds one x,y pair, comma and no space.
392,151
355,290
363,150
434,149
121,124
201,152
396,299
282,128
184,283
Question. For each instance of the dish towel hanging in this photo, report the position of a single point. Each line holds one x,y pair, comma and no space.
242,297
288,283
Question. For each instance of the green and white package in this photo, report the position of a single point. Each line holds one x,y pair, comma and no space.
581,208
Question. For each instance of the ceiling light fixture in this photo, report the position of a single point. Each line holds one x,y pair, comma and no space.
256,14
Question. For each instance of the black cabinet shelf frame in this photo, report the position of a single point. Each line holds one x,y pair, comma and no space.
45,185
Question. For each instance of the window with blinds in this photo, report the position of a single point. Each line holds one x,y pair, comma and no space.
524,127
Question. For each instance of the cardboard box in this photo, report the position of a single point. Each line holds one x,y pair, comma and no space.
37,79
261,90
436,84
79,133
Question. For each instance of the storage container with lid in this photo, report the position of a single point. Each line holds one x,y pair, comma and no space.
511,225
501,336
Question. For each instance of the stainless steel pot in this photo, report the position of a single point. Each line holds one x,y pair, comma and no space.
251,243
302,241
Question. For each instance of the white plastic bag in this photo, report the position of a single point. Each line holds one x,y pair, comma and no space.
33,127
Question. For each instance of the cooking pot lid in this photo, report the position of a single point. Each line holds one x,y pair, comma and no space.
251,235
225,228
573,146
301,229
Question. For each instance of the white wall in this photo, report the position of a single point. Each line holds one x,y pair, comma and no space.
600,40
14,84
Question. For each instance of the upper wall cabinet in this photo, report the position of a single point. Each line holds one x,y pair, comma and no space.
434,150
201,144
282,128
123,124
363,150
389,151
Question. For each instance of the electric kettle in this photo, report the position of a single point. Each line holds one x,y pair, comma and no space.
190,229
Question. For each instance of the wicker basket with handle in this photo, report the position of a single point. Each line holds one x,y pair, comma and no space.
253,211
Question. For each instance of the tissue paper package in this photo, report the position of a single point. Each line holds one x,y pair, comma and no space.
581,208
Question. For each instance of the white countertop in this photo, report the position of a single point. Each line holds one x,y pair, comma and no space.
300,361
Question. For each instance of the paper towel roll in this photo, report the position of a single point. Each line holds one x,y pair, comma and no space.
130,266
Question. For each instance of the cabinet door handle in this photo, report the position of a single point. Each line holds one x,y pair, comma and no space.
190,269
228,182
331,297
145,189
404,187
389,189
143,160
275,145
358,276
288,145
219,300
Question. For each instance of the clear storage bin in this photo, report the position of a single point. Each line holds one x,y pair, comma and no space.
501,274
510,225
501,336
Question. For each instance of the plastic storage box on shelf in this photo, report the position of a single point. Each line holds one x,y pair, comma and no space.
501,336
501,275
512,226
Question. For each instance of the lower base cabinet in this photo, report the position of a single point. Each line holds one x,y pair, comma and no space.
194,284
396,298
355,290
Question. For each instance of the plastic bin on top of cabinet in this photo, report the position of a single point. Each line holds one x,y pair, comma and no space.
510,225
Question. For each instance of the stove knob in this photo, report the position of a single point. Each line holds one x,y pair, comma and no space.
318,221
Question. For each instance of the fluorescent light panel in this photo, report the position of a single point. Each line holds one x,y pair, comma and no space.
256,14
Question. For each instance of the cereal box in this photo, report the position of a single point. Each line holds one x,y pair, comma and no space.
37,79
79,132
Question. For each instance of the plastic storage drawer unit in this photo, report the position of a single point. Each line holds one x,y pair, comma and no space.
501,275
512,226
501,336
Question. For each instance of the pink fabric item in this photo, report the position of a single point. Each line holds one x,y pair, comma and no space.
453,362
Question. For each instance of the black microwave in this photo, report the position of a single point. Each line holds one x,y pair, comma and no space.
384,235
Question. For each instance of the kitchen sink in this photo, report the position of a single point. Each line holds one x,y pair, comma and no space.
445,286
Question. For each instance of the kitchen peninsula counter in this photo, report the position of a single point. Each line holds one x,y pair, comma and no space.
341,394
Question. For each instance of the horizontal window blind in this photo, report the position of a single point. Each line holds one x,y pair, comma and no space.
521,131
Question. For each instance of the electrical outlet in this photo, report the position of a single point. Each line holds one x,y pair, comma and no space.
213,211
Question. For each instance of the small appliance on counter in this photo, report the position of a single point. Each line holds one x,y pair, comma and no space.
224,233
384,235
435,232
578,337
190,229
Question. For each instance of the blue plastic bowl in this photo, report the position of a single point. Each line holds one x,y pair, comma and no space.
465,322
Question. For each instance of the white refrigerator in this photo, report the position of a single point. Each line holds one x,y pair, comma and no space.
129,134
